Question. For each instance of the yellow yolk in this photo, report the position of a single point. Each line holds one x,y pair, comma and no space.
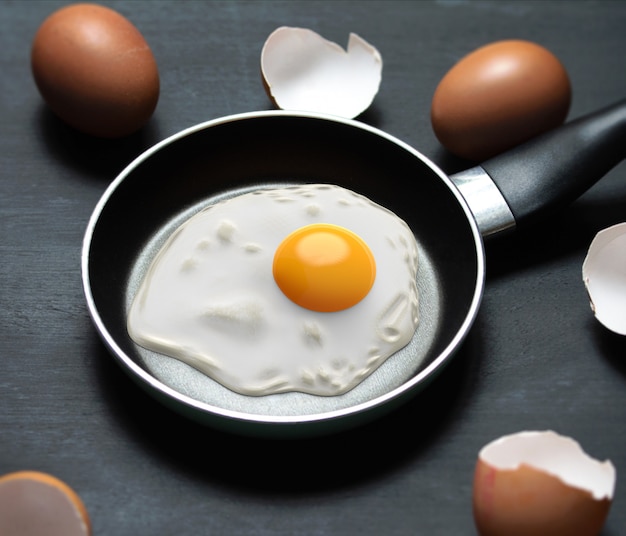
324,267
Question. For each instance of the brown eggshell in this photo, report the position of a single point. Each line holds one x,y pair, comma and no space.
33,503
499,96
530,502
95,70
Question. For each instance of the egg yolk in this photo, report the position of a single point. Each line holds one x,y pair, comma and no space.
324,267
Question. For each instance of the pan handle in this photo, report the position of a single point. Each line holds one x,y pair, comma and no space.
545,173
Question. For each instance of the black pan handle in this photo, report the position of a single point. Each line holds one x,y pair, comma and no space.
553,169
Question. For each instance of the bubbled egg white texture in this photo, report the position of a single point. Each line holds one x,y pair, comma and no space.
209,297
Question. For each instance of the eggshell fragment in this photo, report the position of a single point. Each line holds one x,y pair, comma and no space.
499,96
604,275
95,70
38,504
303,71
539,482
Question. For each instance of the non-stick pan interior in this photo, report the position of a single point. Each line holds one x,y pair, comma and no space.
222,158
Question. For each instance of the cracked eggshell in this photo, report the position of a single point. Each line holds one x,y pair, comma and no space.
35,503
303,71
540,482
604,275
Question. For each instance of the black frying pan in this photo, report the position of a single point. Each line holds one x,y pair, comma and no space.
449,216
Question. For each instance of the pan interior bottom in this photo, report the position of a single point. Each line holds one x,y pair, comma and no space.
395,371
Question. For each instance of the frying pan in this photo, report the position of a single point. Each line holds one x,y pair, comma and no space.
450,217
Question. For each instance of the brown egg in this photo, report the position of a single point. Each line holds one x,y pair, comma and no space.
499,96
38,504
534,483
95,70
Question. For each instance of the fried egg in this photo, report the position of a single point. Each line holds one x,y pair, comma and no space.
301,288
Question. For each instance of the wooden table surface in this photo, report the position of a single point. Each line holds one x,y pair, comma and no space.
535,359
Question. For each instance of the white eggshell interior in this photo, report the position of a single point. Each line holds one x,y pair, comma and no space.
554,454
303,71
604,275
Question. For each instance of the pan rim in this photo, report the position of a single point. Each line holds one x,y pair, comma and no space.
155,386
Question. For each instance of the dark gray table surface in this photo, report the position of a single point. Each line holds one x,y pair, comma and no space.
535,358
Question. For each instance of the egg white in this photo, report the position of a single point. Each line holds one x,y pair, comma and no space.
210,300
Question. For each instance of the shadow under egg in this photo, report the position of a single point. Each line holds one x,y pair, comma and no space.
98,158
